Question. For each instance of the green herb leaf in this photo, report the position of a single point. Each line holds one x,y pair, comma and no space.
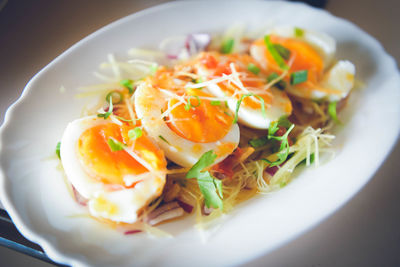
189,104
273,128
298,32
275,54
283,152
116,96
58,146
298,77
210,187
115,145
284,122
109,112
332,112
227,46
128,84
283,51
165,140
215,103
239,102
205,160
258,142
135,133
281,84
253,68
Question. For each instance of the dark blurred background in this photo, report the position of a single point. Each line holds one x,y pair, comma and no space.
365,232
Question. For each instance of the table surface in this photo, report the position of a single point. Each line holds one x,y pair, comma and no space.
364,232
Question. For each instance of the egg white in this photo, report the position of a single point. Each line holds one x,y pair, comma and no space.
127,200
148,104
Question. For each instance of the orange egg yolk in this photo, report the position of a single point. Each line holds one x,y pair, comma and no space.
202,122
213,62
109,166
304,57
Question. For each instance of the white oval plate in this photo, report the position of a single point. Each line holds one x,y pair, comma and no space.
34,193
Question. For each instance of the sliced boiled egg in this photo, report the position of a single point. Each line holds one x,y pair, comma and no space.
185,125
242,76
308,51
117,183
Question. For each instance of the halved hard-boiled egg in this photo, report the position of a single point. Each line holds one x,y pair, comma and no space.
117,181
238,77
185,124
307,51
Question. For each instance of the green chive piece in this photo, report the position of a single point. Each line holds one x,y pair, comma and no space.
253,68
298,32
128,84
115,145
298,77
109,112
215,103
281,84
332,111
165,140
116,96
227,46
275,54
189,104
283,51
153,69
135,133
58,146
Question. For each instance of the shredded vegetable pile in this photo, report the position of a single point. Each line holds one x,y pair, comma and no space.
252,109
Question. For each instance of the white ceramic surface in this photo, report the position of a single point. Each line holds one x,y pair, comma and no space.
34,193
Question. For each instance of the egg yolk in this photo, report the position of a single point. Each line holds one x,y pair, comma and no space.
109,166
304,56
220,65
202,122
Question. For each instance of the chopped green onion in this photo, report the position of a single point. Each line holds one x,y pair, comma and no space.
332,112
109,112
275,54
298,77
117,97
226,104
227,46
198,80
128,84
135,133
189,104
153,69
253,68
210,187
298,32
215,103
281,84
240,102
58,146
165,140
115,145
283,51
